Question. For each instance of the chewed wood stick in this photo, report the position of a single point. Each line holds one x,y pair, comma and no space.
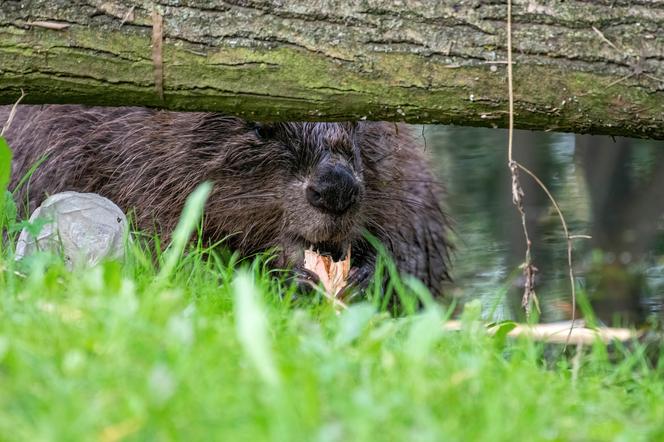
332,274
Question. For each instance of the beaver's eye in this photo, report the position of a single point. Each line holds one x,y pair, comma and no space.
263,130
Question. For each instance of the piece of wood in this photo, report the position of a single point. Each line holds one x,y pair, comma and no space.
559,332
579,66
332,274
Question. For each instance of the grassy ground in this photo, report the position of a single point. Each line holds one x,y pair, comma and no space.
201,347
217,353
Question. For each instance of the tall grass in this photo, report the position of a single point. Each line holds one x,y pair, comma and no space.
193,343
220,353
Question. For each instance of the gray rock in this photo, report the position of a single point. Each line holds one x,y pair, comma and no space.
84,227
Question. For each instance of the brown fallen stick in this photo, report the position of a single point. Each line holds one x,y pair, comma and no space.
559,332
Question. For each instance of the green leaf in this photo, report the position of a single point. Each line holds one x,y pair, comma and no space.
502,330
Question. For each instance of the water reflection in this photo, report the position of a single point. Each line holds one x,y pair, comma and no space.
611,189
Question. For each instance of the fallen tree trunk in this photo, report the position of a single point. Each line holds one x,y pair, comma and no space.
580,66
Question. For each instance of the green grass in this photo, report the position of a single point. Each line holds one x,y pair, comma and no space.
218,353
190,344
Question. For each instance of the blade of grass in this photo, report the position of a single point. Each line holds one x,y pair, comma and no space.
29,174
5,175
191,215
252,328
408,301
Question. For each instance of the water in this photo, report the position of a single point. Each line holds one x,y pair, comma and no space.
610,189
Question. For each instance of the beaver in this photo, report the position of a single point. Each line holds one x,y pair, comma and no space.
276,186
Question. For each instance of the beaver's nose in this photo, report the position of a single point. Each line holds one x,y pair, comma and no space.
334,190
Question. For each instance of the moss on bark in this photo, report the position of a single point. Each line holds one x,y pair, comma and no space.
326,61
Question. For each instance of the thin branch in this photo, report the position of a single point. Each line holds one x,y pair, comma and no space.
509,84
635,65
128,16
605,40
529,270
569,238
517,194
626,77
8,123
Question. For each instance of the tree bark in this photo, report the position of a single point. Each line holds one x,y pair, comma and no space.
579,66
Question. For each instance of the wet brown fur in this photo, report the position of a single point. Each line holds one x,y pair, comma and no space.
149,161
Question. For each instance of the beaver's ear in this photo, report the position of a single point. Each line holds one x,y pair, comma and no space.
263,130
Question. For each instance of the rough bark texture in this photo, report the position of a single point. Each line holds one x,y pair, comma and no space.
580,66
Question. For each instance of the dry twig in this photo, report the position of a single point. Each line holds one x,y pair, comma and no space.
128,16
636,62
569,238
529,270
8,123
605,40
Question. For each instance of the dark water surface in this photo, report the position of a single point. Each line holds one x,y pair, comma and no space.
610,189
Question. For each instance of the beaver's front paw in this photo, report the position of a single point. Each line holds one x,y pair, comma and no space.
359,279
306,280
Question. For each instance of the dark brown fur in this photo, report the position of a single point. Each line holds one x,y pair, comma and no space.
149,161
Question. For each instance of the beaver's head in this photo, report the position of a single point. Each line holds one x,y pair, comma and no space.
322,181
296,186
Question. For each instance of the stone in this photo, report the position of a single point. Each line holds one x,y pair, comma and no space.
84,228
